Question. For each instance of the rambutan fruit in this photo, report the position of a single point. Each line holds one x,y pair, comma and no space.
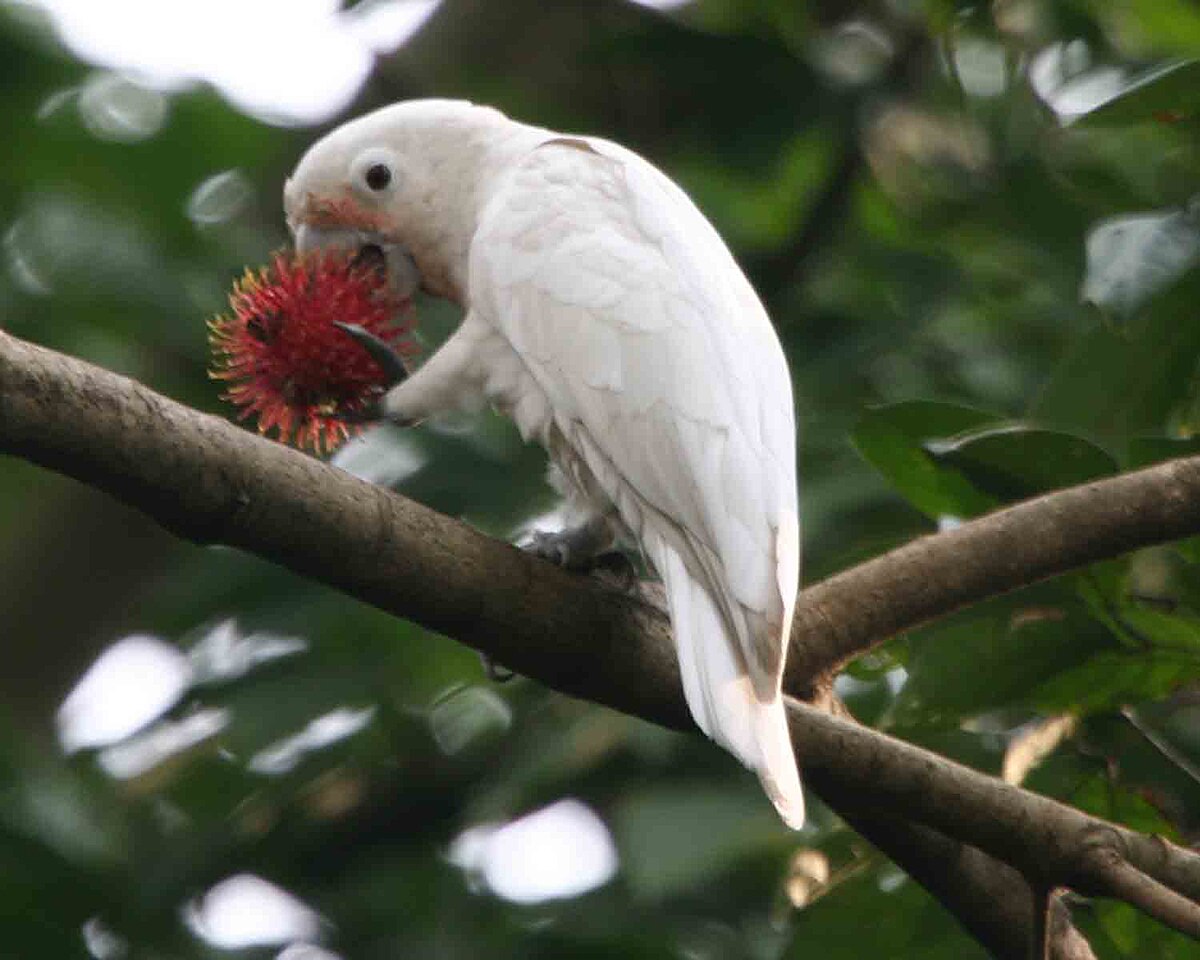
287,361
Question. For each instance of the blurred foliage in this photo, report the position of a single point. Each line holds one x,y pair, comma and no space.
999,299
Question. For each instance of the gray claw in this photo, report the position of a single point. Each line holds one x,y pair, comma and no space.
573,549
618,568
587,548
554,547
388,360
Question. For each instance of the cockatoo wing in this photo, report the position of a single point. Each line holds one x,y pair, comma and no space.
664,379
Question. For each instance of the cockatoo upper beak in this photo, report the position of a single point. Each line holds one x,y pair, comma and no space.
368,246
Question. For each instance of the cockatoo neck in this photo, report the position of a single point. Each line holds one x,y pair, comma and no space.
467,163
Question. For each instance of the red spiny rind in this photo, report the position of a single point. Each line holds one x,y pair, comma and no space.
286,363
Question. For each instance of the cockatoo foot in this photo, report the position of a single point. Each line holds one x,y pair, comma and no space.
617,568
576,548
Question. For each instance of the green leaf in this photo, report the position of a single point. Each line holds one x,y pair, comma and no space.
1165,93
675,839
1144,451
1118,930
1112,678
1162,626
913,927
1177,631
955,461
894,440
995,658
1118,381
1016,462
1096,795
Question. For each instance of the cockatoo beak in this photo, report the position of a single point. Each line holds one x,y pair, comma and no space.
368,247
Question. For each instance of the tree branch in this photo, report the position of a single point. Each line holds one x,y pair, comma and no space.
858,609
209,481
1050,843
1127,883
991,899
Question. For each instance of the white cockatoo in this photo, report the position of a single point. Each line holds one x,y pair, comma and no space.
606,317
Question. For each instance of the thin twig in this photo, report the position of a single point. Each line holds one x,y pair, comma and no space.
1122,881
1066,943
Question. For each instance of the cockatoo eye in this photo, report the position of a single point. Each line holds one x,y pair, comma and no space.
375,171
378,176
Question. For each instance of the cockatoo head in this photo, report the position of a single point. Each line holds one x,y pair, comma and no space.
396,187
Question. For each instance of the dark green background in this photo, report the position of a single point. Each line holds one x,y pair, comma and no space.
921,248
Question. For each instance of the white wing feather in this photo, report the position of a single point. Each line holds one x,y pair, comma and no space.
663,377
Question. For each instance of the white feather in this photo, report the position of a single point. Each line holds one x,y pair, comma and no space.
667,385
